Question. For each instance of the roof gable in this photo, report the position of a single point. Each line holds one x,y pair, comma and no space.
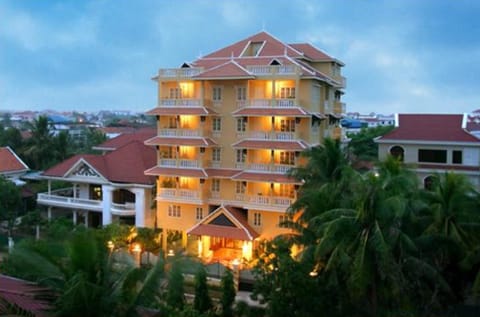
430,127
10,162
230,69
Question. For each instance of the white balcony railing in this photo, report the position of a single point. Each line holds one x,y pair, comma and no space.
54,199
179,132
267,167
180,102
179,194
126,209
272,135
167,162
267,103
273,70
270,200
179,72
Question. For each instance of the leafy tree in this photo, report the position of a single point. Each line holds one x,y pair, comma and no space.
362,144
202,301
228,294
40,146
10,202
176,291
11,137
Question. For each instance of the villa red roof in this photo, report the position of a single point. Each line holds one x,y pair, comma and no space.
125,138
24,295
311,52
221,172
430,127
220,231
272,144
10,162
124,165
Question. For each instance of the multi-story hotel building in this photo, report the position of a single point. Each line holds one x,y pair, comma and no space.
230,125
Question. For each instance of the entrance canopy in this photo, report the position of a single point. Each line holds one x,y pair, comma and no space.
225,222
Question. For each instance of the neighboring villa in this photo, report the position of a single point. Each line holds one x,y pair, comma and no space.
435,143
11,166
106,188
230,125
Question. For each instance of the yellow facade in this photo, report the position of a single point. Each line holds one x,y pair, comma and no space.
228,139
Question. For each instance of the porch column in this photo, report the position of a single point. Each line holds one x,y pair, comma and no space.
164,241
139,207
49,187
75,217
106,204
49,213
86,218
184,240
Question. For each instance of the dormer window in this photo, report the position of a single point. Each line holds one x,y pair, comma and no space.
252,49
185,65
275,63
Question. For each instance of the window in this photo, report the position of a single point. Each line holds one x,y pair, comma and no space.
174,211
397,152
285,190
287,92
241,156
282,219
287,158
241,93
257,219
216,154
240,187
217,124
457,157
199,213
432,156
175,93
217,93
241,124
287,125
215,185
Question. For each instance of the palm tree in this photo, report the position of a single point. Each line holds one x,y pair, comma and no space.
40,145
89,280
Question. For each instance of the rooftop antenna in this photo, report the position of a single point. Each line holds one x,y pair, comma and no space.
263,26
200,54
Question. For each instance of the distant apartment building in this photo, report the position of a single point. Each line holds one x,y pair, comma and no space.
435,143
229,127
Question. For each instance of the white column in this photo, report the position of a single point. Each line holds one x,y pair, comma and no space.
86,218
107,204
75,217
139,207
49,214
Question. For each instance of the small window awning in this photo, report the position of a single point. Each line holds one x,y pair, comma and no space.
180,141
174,171
289,145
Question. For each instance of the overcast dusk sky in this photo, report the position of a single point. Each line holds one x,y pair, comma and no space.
400,55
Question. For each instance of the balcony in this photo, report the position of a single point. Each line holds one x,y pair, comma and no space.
272,201
180,195
267,167
180,132
64,198
185,163
267,103
339,107
181,102
174,73
125,209
273,135
274,70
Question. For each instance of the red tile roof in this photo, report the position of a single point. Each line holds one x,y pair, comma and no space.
24,295
311,52
265,177
10,162
269,111
174,141
230,69
430,127
124,165
180,110
241,231
221,172
173,171
272,144
125,138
